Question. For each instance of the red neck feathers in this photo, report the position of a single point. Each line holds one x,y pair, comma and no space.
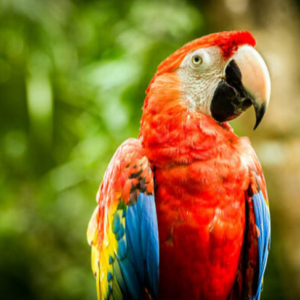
169,131
171,134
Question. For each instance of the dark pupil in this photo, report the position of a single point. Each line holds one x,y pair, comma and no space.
196,59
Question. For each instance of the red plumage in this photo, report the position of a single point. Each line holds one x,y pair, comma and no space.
194,159
203,179
201,183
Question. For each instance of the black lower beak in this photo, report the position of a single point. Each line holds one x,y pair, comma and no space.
231,99
259,113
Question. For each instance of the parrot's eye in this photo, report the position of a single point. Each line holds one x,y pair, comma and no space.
196,60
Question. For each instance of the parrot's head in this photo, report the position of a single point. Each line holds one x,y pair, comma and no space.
220,75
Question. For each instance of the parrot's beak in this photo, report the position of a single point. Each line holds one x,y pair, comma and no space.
247,82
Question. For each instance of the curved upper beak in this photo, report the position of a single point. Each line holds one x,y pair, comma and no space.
255,79
246,82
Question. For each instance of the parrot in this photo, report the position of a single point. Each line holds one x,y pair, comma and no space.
182,211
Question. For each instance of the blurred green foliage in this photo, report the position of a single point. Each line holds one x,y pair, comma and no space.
72,80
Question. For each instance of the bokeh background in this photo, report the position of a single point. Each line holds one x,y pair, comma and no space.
72,80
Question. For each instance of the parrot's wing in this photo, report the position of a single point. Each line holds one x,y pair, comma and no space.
257,240
123,230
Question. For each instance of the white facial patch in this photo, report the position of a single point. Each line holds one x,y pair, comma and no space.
199,81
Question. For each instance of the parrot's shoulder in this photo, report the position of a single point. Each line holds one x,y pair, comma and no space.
248,155
252,163
128,172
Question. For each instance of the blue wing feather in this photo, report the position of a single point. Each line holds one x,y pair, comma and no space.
137,261
130,277
150,242
262,220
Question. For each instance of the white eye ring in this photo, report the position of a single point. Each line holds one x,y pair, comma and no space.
196,60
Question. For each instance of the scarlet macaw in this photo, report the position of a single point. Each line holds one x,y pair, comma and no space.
183,211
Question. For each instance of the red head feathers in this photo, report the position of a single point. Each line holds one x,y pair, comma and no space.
228,41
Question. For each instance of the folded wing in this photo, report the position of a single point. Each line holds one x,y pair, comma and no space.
257,240
123,230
